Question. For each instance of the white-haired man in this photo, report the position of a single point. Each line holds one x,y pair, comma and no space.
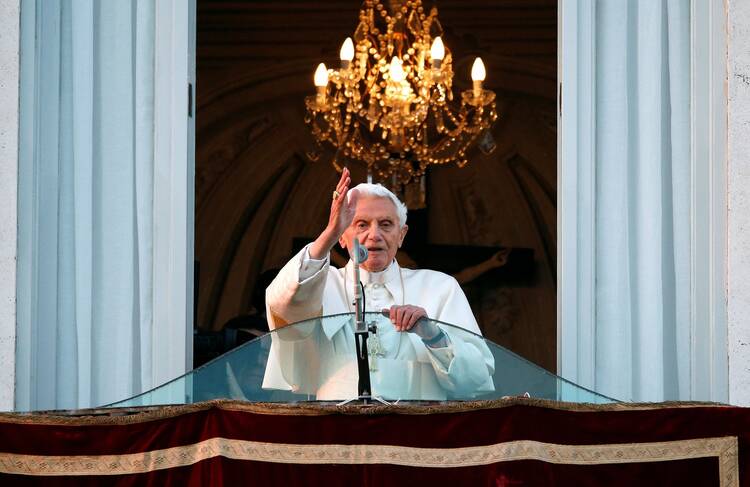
419,359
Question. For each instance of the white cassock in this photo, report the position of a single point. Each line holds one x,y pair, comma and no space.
319,358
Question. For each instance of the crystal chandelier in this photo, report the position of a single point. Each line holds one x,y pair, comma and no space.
390,104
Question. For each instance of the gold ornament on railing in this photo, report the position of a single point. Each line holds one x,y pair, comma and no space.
390,103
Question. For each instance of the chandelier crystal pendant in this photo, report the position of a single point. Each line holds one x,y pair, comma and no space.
390,104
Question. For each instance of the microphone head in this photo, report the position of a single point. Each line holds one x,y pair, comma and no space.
360,252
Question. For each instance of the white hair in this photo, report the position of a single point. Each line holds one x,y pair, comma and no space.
380,191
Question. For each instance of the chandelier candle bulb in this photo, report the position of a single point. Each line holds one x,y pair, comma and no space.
396,70
347,53
478,74
321,82
437,52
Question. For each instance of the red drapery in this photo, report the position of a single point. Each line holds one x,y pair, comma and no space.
509,442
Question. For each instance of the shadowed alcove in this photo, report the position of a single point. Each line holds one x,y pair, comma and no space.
258,194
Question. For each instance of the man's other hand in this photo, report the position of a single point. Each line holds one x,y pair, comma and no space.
406,318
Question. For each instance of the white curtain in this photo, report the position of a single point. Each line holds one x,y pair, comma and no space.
642,199
85,210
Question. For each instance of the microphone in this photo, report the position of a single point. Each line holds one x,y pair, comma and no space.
360,252
359,255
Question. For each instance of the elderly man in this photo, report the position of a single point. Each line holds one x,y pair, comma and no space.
414,358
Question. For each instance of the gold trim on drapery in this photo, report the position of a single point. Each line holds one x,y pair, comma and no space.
725,449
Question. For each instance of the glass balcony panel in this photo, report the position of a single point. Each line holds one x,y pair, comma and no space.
315,360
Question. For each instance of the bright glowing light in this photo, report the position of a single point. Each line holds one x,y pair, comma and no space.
437,51
478,72
396,70
321,75
347,50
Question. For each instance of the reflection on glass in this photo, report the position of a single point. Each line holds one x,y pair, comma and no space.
309,361
314,359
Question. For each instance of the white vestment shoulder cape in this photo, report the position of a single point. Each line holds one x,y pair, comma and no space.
318,358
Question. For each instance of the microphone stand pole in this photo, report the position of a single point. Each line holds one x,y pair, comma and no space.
361,333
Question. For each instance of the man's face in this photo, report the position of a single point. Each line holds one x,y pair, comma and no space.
376,226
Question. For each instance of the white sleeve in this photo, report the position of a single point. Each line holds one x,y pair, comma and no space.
309,266
441,357
466,365
296,293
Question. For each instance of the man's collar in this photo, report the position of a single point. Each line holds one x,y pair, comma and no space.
389,276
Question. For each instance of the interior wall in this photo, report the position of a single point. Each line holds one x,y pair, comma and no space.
256,189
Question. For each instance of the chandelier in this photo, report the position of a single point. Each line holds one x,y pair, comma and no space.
390,104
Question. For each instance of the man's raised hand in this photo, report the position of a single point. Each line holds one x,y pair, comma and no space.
343,206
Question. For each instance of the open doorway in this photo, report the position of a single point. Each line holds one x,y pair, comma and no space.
258,195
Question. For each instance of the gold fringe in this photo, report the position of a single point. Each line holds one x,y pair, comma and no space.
134,415
725,449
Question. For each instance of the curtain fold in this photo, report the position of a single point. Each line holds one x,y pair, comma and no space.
642,141
91,219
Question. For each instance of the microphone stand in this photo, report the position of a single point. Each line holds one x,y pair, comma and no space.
362,331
